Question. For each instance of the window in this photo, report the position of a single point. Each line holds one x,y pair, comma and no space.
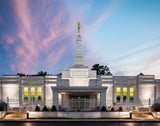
118,94
33,94
131,94
25,94
124,94
39,90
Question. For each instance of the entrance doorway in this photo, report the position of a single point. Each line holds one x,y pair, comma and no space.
83,101
79,102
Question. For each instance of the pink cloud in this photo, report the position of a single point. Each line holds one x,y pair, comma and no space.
35,39
9,40
12,66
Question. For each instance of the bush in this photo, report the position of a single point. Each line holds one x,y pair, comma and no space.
37,108
120,108
156,107
103,108
54,108
112,109
3,106
45,108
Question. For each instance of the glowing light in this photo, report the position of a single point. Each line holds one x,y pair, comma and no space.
131,92
118,91
125,91
39,90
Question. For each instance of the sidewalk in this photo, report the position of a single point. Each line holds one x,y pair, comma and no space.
80,120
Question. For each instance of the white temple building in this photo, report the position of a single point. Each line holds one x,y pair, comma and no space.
79,88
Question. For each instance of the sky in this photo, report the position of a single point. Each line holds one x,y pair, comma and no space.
40,35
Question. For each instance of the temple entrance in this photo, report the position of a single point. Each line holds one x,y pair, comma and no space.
79,101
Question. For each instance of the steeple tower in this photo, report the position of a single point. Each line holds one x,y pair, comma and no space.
79,57
78,61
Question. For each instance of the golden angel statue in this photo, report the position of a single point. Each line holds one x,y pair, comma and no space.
79,26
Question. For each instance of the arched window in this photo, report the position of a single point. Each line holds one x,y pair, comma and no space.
124,94
118,94
33,94
39,90
131,94
25,94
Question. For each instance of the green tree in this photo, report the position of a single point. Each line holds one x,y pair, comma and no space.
20,74
41,73
101,69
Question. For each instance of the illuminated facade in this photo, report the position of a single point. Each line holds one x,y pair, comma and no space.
79,88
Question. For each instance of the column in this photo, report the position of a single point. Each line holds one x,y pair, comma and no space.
103,97
36,96
55,98
29,95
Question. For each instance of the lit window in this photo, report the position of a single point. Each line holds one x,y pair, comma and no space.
124,93
118,93
25,94
39,90
132,94
33,93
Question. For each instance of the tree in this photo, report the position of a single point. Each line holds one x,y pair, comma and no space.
101,69
141,73
41,73
20,74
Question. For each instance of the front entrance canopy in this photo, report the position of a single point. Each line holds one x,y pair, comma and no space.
68,97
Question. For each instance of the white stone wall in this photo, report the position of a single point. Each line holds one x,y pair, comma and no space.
12,92
49,94
145,93
80,114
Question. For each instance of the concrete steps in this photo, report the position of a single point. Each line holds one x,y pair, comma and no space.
15,116
146,115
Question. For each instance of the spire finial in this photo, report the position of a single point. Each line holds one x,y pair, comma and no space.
79,26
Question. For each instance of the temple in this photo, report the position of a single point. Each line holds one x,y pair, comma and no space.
79,89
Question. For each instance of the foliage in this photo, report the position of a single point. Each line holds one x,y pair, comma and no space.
45,108
41,73
124,98
156,107
54,108
103,108
37,108
3,106
133,107
118,98
120,108
101,69
20,74
141,73
112,109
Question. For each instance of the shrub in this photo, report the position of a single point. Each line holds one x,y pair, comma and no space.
3,106
37,108
118,98
54,108
120,108
112,109
45,108
103,108
156,107
124,98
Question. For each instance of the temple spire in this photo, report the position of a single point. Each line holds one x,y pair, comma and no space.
79,57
